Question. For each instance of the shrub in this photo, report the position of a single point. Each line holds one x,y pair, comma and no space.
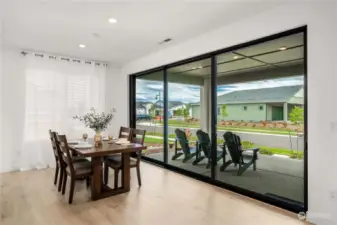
296,155
265,152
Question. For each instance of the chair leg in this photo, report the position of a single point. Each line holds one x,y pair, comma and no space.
225,165
88,181
72,188
116,178
61,179
106,174
64,183
138,176
56,173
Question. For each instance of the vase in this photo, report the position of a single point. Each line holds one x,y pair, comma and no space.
98,139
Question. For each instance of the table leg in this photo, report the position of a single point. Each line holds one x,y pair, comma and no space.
96,185
126,171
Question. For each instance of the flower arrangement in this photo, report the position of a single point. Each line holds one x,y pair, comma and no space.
96,121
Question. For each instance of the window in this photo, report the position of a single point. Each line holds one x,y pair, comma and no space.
245,108
261,107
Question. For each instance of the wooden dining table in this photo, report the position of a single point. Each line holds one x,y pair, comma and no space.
98,189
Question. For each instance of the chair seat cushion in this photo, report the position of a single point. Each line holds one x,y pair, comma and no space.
115,161
76,159
81,168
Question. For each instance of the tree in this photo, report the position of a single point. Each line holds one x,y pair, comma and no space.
297,115
223,111
186,110
152,110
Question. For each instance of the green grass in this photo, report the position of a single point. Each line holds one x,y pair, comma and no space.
182,123
265,150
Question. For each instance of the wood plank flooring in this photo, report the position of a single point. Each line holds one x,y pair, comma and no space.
166,198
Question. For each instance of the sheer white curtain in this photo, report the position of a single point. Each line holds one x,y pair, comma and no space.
52,91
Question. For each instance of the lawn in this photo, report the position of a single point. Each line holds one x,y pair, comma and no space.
265,150
182,123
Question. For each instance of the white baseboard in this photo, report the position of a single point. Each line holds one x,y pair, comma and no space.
320,218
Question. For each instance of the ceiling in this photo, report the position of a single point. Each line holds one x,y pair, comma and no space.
264,55
59,26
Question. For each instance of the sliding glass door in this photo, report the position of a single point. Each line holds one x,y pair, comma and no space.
188,104
149,112
260,111
234,118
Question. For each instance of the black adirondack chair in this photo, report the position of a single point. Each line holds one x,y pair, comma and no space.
186,150
234,147
204,145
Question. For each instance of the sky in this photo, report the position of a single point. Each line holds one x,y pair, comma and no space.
146,90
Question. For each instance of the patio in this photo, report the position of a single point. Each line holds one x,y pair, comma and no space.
276,176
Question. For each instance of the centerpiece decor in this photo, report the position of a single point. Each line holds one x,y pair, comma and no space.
98,122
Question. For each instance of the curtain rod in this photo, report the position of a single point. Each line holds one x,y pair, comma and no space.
63,58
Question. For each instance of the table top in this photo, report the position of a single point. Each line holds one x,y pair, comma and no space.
108,148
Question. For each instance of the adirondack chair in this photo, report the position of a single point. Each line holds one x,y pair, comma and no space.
186,150
234,147
204,144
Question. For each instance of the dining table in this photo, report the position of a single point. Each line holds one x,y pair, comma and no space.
97,154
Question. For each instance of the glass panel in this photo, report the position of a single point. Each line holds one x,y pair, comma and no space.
149,112
260,117
188,103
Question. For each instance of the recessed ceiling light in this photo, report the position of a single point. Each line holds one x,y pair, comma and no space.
236,57
112,20
283,48
193,68
200,67
81,46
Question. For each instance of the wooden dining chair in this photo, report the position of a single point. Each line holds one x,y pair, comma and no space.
137,136
73,170
125,132
56,156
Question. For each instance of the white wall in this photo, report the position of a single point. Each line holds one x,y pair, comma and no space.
117,97
322,60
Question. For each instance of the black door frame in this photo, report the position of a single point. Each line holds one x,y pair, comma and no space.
289,205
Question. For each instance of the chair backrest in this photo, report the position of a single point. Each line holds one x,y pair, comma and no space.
53,144
204,142
125,132
65,152
137,136
182,139
233,144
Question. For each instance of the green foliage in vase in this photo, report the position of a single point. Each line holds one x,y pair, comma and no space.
96,121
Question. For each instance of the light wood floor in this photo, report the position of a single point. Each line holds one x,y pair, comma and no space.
166,198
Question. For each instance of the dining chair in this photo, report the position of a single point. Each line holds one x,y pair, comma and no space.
73,170
125,132
137,136
56,156
59,170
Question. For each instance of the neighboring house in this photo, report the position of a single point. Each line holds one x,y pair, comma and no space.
173,106
270,104
140,109
148,106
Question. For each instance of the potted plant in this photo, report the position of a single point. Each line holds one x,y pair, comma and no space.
96,121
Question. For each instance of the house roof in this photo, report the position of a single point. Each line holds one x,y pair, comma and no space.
171,104
262,95
139,105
